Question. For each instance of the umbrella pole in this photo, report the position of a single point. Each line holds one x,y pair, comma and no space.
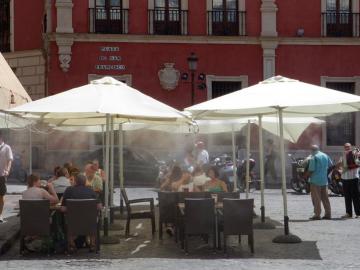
262,224
287,237
111,183
248,158
121,164
106,239
234,159
30,151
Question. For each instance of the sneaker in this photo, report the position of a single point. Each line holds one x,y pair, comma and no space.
314,218
346,216
326,217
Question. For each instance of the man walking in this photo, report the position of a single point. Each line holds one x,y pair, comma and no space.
350,179
318,167
6,158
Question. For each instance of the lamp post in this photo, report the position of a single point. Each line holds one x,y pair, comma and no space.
192,61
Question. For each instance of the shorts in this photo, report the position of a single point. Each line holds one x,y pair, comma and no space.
2,185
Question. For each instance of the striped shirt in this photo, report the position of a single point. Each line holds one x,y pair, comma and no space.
348,174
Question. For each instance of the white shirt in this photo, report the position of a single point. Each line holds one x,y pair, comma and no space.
5,155
35,193
60,184
200,180
203,157
189,187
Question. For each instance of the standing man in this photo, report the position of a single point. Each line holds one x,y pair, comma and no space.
350,179
6,158
318,167
202,156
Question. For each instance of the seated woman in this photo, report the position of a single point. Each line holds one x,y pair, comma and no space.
214,184
79,191
92,180
185,183
36,192
174,175
62,181
199,177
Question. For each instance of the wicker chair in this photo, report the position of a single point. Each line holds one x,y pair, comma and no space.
144,214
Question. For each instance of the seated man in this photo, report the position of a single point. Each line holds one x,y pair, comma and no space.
36,191
92,180
79,191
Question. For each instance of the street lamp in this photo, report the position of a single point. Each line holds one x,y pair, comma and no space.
192,61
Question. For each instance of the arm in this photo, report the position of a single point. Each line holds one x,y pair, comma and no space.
224,187
51,195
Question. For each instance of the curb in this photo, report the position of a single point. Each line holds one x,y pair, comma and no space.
9,232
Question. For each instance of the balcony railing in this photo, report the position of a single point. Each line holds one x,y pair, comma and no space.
340,24
167,21
226,23
108,21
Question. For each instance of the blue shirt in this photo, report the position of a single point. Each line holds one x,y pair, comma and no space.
318,166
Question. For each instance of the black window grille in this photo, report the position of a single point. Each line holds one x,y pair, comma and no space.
340,128
220,88
4,25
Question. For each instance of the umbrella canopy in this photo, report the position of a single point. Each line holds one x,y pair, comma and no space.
10,121
101,97
12,93
296,98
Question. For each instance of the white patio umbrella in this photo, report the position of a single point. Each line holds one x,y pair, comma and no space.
99,101
282,96
12,93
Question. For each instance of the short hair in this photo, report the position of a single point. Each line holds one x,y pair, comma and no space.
80,180
74,171
32,179
62,172
314,147
56,170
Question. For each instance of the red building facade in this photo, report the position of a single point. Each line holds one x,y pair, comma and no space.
146,43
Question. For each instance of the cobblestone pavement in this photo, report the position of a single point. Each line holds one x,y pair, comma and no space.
327,244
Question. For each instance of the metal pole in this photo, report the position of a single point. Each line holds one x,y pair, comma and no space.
111,184
30,150
262,174
103,145
192,87
283,172
107,174
121,164
234,158
248,158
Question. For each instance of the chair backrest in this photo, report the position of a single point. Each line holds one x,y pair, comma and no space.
238,216
199,195
199,216
34,217
167,206
228,195
81,216
126,200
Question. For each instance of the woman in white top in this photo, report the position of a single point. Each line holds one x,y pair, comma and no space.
200,178
62,181
35,192
185,183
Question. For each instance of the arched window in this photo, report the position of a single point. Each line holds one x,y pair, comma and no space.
109,17
339,18
4,25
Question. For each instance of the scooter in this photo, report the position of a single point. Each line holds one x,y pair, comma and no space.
299,180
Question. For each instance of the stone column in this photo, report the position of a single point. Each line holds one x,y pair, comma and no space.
269,41
269,47
268,18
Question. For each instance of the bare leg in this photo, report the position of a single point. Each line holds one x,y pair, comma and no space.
1,204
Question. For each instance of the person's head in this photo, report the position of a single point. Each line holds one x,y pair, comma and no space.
176,173
68,165
63,172
314,148
200,145
80,180
197,171
347,147
56,170
89,170
33,180
73,173
213,172
95,163
270,141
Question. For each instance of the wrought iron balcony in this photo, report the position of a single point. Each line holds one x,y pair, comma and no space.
340,24
226,23
108,21
167,21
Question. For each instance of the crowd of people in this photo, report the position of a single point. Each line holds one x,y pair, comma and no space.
195,174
